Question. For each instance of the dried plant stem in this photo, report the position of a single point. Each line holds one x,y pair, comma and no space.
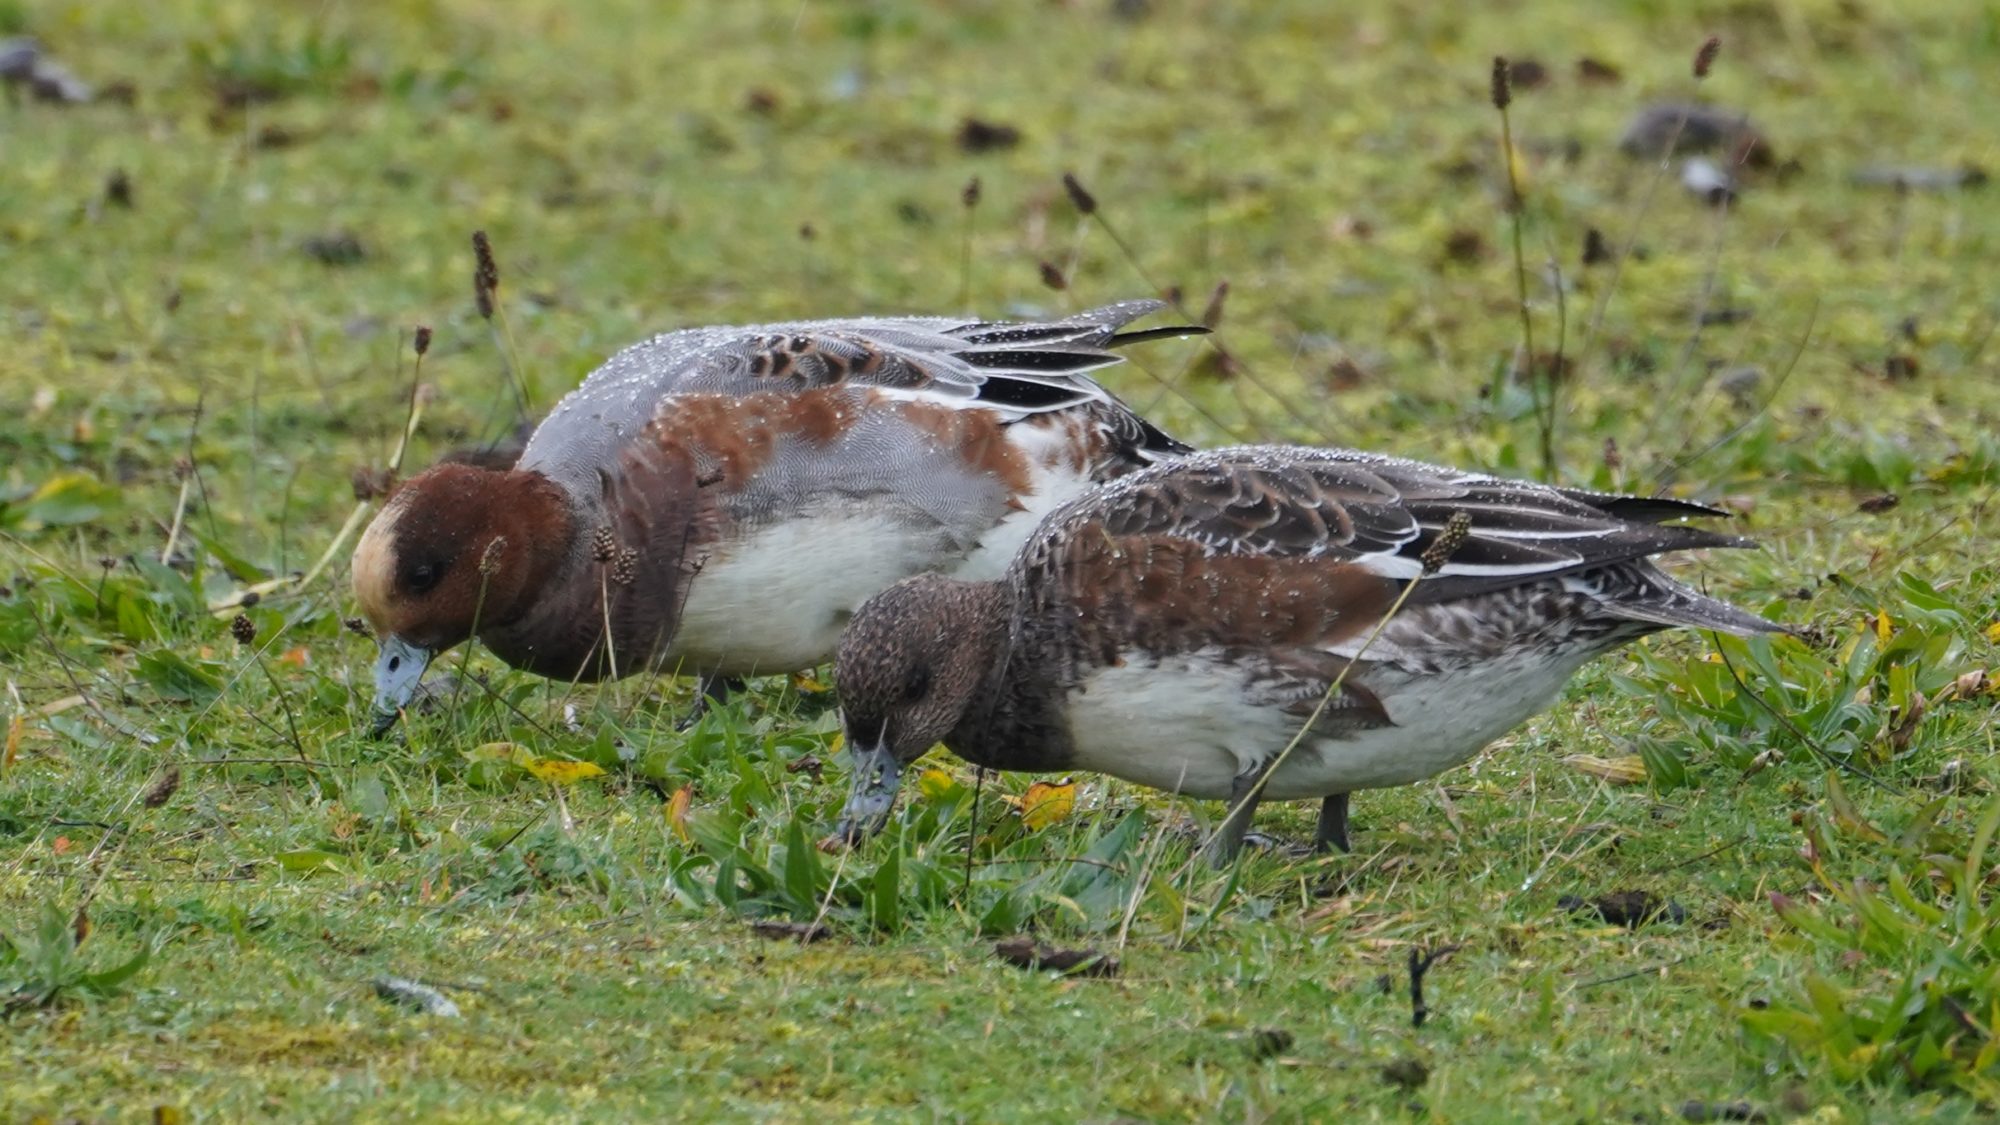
969,197
972,831
604,602
179,521
1214,340
503,336
1541,384
1668,474
1325,700
465,651
410,419
354,518
340,537
1703,61
284,701
1684,385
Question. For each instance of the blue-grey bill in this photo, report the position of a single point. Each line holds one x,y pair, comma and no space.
871,793
397,670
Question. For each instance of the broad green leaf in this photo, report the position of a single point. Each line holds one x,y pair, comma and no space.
104,983
885,894
238,567
68,499
305,860
173,676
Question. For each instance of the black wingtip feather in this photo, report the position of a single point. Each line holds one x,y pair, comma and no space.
1159,443
1142,335
1645,509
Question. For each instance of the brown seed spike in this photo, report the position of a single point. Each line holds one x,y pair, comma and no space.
1705,58
1084,201
482,252
1053,277
485,274
971,194
1456,530
603,545
625,570
243,629
489,559
1503,90
356,626
423,339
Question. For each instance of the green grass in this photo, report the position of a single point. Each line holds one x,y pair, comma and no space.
1319,161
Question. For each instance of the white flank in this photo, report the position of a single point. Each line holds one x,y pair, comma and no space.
1189,724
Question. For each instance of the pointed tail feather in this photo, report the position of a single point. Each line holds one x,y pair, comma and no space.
1677,606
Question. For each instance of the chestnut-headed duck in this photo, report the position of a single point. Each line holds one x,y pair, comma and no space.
721,499
1181,626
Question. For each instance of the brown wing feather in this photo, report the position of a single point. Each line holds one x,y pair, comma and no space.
1384,516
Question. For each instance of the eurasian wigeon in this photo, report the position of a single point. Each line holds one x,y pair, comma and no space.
720,499
1180,627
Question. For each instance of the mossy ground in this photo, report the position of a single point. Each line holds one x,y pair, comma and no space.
644,166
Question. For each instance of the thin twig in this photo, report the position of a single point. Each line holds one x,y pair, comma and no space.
1616,977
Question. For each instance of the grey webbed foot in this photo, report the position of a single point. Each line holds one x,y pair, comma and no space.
1244,793
1332,832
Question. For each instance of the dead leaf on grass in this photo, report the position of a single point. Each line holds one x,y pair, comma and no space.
1025,952
779,929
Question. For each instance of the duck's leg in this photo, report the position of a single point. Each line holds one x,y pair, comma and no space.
1332,825
713,692
1244,793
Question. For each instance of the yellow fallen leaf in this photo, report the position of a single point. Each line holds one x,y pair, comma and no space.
1883,628
558,771
834,744
1993,632
1047,803
677,812
296,658
13,751
1625,769
805,683
935,785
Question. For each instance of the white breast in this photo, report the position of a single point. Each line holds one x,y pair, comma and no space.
841,523
1187,724
775,600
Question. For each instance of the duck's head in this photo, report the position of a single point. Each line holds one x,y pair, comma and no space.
456,549
910,664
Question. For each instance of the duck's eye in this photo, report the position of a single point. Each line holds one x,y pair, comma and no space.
916,685
422,577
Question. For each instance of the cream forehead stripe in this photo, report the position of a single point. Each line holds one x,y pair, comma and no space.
374,567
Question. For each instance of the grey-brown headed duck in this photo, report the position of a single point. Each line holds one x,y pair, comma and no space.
1180,627
719,500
